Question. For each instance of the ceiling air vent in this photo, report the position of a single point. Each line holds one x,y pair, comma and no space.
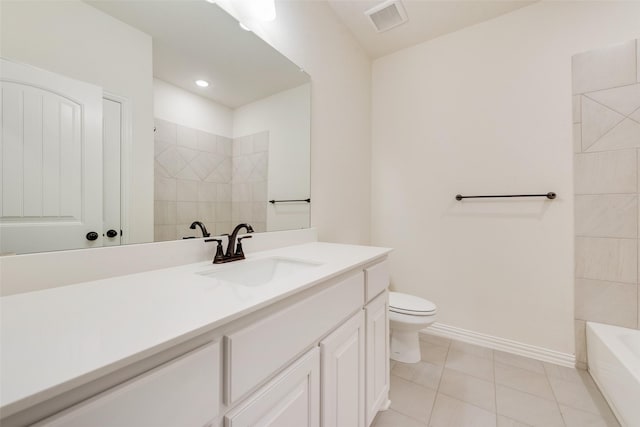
387,15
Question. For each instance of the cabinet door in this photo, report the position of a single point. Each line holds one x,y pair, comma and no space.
342,356
377,355
291,399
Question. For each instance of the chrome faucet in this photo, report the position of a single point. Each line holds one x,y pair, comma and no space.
205,233
234,252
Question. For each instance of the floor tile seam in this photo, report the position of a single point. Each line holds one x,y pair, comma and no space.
554,400
431,345
434,343
598,414
476,355
513,419
406,415
527,392
555,397
520,367
472,375
416,383
494,411
424,386
587,384
433,405
411,417
541,376
495,387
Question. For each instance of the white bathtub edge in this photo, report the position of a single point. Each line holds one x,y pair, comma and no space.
611,365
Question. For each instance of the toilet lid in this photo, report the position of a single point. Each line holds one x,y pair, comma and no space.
410,304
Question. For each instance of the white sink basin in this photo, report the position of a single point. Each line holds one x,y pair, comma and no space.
259,272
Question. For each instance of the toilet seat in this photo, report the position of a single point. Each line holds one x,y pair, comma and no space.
410,305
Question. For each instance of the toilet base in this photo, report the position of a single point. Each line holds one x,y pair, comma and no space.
405,346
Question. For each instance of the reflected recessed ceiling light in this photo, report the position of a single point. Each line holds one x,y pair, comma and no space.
244,27
202,83
249,11
210,1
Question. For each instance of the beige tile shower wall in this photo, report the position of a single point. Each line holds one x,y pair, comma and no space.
606,126
249,179
192,181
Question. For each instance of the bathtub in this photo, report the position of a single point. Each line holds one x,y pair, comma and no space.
613,355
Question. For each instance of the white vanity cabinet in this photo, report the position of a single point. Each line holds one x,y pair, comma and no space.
319,358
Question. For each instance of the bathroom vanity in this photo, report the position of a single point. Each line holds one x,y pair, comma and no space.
296,336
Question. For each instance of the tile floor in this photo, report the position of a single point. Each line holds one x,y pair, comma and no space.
463,385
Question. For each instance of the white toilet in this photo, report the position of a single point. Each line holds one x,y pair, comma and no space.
408,314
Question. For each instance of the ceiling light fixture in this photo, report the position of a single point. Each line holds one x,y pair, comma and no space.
250,11
202,83
244,27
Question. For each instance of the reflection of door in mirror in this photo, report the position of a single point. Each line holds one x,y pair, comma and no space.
111,184
51,190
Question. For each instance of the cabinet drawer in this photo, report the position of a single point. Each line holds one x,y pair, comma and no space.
257,351
183,392
377,279
291,399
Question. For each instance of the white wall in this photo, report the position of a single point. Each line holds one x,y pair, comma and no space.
310,34
286,116
487,110
176,105
76,40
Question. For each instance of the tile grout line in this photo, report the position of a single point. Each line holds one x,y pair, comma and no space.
495,386
603,89
605,237
444,365
555,398
633,193
608,107
545,372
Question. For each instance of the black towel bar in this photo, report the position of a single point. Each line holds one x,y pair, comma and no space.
550,195
289,201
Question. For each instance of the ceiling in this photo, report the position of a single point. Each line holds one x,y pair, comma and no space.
198,40
427,20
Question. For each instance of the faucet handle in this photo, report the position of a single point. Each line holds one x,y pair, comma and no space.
219,254
239,250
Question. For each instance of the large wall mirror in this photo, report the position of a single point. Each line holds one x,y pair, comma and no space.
127,121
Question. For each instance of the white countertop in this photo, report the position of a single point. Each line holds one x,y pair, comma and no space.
54,340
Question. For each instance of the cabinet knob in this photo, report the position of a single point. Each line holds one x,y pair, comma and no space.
112,233
92,235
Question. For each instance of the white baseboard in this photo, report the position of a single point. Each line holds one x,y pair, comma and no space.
502,344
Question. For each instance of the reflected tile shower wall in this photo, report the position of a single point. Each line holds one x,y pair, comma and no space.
606,130
192,181
250,170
